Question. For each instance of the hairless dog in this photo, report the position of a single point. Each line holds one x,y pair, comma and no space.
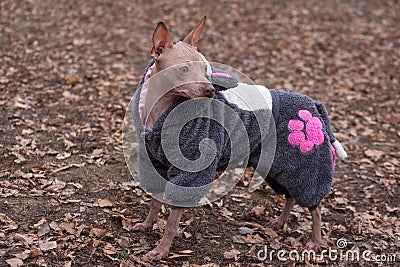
302,168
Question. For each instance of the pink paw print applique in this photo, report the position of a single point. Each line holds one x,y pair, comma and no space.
313,134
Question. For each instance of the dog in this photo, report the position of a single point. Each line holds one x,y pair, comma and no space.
305,144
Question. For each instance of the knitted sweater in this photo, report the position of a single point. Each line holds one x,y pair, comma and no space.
285,136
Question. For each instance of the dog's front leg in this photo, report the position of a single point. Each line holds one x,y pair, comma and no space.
155,207
171,230
283,218
316,240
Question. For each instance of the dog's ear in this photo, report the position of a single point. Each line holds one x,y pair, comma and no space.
193,37
161,40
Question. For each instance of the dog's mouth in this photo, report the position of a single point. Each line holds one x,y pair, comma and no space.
193,91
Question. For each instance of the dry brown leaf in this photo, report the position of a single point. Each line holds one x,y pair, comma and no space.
57,185
254,239
186,251
374,231
23,255
374,153
127,224
35,252
97,152
63,168
44,230
73,80
7,224
69,227
160,224
271,233
232,254
127,198
176,256
239,239
96,243
187,235
47,245
104,203
98,232
109,249
15,262
63,155
124,242
258,211
26,239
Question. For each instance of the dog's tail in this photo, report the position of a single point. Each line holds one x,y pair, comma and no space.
338,146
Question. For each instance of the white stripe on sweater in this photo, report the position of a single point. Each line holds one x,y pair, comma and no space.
249,97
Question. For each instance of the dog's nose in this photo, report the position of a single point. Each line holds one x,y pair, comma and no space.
209,90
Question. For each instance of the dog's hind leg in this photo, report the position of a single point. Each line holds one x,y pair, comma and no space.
316,240
171,230
283,218
155,207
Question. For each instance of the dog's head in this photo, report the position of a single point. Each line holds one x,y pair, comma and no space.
181,63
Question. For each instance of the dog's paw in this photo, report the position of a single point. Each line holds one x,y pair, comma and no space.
156,254
276,223
313,245
142,226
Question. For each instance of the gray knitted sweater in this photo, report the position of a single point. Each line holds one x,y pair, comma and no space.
287,140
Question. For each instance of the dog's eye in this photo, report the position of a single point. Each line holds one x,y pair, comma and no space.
184,69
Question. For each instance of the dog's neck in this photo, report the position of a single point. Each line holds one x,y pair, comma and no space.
159,108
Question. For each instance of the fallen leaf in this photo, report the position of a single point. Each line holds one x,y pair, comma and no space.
26,239
96,243
109,249
374,154
44,230
127,198
374,231
5,219
187,235
23,255
127,224
258,211
73,80
104,203
97,152
69,95
245,230
9,224
46,246
175,256
69,227
98,232
239,239
232,254
15,262
35,252
254,239
63,155
187,251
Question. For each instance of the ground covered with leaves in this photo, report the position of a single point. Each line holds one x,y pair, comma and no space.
68,70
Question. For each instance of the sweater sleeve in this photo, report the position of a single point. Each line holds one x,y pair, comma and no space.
152,175
185,189
200,143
